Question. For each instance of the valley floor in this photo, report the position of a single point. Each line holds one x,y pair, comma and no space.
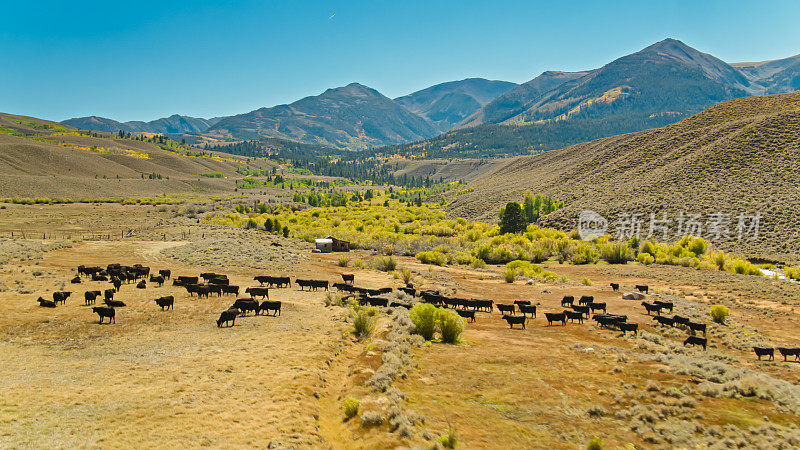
172,378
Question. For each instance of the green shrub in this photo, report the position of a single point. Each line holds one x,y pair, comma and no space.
743,267
585,253
449,439
586,282
364,320
645,258
385,264
434,257
424,316
344,261
358,264
616,253
792,273
406,275
351,407
510,275
595,444
450,325
251,224
213,175
719,313
477,263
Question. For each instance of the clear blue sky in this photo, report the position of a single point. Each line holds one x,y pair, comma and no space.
149,59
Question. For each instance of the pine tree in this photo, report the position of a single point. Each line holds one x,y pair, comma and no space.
512,220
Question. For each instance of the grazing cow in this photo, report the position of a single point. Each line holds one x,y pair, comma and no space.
528,309
556,317
601,306
664,305
165,302
267,306
257,292
650,307
228,289
790,351
46,303
581,309
514,320
408,291
203,290
183,281
522,302
469,315
108,294
403,305
628,326
117,283
61,296
246,304
573,316
98,277
311,284
157,279
377,301
643,288
484,305
274,281
504,308
696,340
680,320
165,273
215,289
105,311
567,300
228,316
348,278
76,280
664,321
615,287
91,296
586,299
141,285
114,303
609,320
765,351
694,326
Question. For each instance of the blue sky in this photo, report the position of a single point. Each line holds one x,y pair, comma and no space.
148,59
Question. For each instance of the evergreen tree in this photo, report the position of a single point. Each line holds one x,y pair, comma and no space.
512,219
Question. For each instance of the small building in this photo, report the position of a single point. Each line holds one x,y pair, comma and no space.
331,244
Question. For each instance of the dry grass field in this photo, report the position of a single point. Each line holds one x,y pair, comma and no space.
172,378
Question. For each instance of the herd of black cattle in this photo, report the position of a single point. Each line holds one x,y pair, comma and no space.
220,285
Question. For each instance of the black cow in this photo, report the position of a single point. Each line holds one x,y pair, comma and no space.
522,302
790,351
208,275
528,309
609,320
696,340
680,320
651,307
312,284
568,300
157,279
586,299
246,304
628,326
230,289
166,302
165,273
115,303
141,285
61,296
514,320
267,306
765,351
643,288
76,280
556,317
409,291
615,287
257,292
664,305
183,281
108,294
664,321
46,303
98,277
377,301
404,305
694,326
581,309
469,315
348,278
504,308
105,311
601,306
574,315
117,283
484,305
229,315
91,296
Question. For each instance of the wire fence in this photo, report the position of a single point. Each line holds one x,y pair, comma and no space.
115,235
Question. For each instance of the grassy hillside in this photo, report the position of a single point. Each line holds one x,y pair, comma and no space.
39,158
739,156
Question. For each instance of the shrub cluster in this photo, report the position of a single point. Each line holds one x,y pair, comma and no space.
429,319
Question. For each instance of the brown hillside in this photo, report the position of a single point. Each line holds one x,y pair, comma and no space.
738,156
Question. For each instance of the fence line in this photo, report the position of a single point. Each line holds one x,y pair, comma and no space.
99,236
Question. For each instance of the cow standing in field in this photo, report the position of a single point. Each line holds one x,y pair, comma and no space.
695,340
615,287
765,351
257,292
165,273
166,302
506,308
61,297
790,351
514,320
228,316
91,296
105,311
528,309
556,317
348,278
267,306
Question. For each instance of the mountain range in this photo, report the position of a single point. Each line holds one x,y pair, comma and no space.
655,86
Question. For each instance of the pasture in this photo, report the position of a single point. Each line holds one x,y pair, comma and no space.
159,378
